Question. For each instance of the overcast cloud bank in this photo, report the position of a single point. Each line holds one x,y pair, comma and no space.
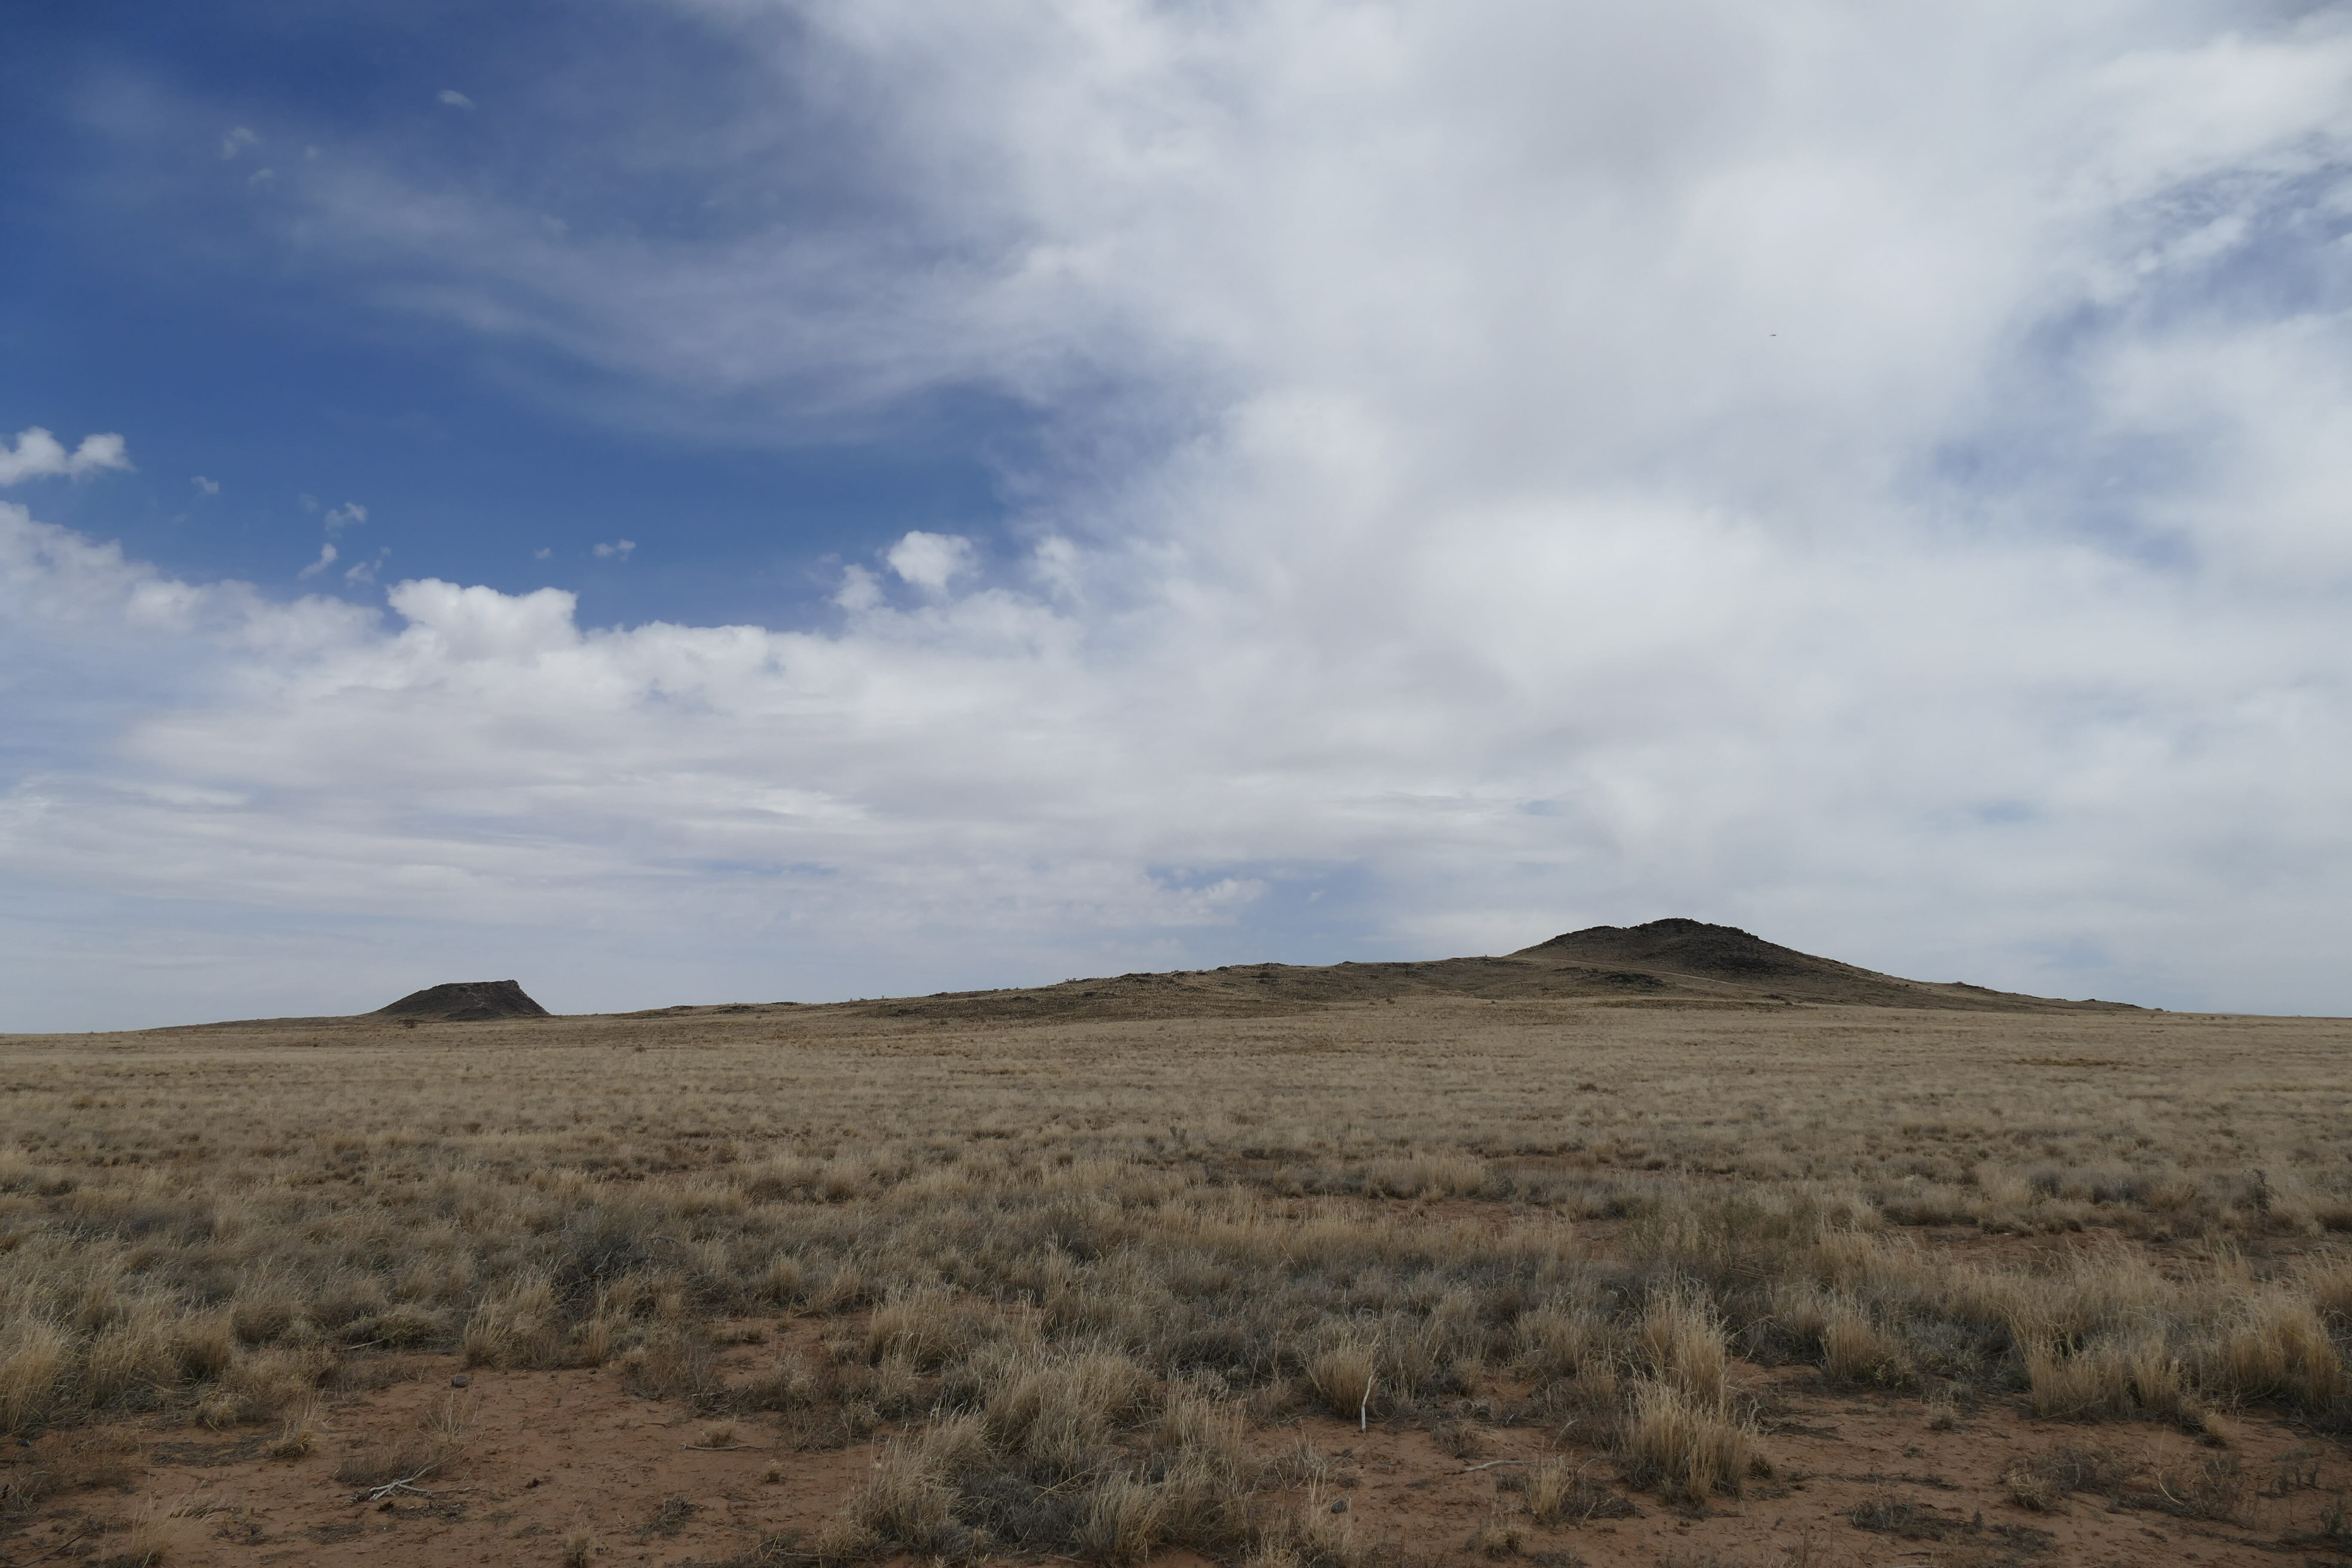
1875,478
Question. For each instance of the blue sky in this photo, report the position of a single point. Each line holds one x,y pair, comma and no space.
159,280
695,499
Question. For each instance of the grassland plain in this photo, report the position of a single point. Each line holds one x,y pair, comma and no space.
1341,1283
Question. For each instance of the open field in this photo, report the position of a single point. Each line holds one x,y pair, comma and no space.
1572,1279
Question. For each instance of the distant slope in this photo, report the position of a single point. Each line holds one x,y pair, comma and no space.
1665,963
1668,963
455,1002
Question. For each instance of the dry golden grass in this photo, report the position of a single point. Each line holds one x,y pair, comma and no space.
1065,1269
1686,1447
1561,1492
301,1434
138,1545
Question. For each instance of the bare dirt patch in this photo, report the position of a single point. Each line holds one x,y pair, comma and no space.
551,1455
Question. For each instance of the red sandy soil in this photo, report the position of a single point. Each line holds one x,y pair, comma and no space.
552,1451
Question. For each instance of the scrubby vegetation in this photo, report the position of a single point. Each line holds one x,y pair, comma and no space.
1069,1277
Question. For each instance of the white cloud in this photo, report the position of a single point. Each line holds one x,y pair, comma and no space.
618,550
931,561
1873,475
236,141
327,555
203,485
38,454
454,98
351,514
859,591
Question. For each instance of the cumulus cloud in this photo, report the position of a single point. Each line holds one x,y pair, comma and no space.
236,141
931,561
616,550
1870,475
37,455
204,487
351,514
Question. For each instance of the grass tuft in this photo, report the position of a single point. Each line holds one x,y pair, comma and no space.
37,1360
1686,1447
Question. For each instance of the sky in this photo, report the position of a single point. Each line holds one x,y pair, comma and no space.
692,500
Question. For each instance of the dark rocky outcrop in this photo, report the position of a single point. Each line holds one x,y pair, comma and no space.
464,1002
1689,947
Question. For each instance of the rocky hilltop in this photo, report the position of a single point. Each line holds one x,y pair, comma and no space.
464,1002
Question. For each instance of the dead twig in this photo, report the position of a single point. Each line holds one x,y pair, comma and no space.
378,1494
1079,1480
58,1548
406,1483
714,1447
1490,1464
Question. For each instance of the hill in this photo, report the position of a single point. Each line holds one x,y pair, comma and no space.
1724,960
454,1002
1666,963
464,1002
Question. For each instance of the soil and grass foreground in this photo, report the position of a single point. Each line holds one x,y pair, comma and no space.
1211,1271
